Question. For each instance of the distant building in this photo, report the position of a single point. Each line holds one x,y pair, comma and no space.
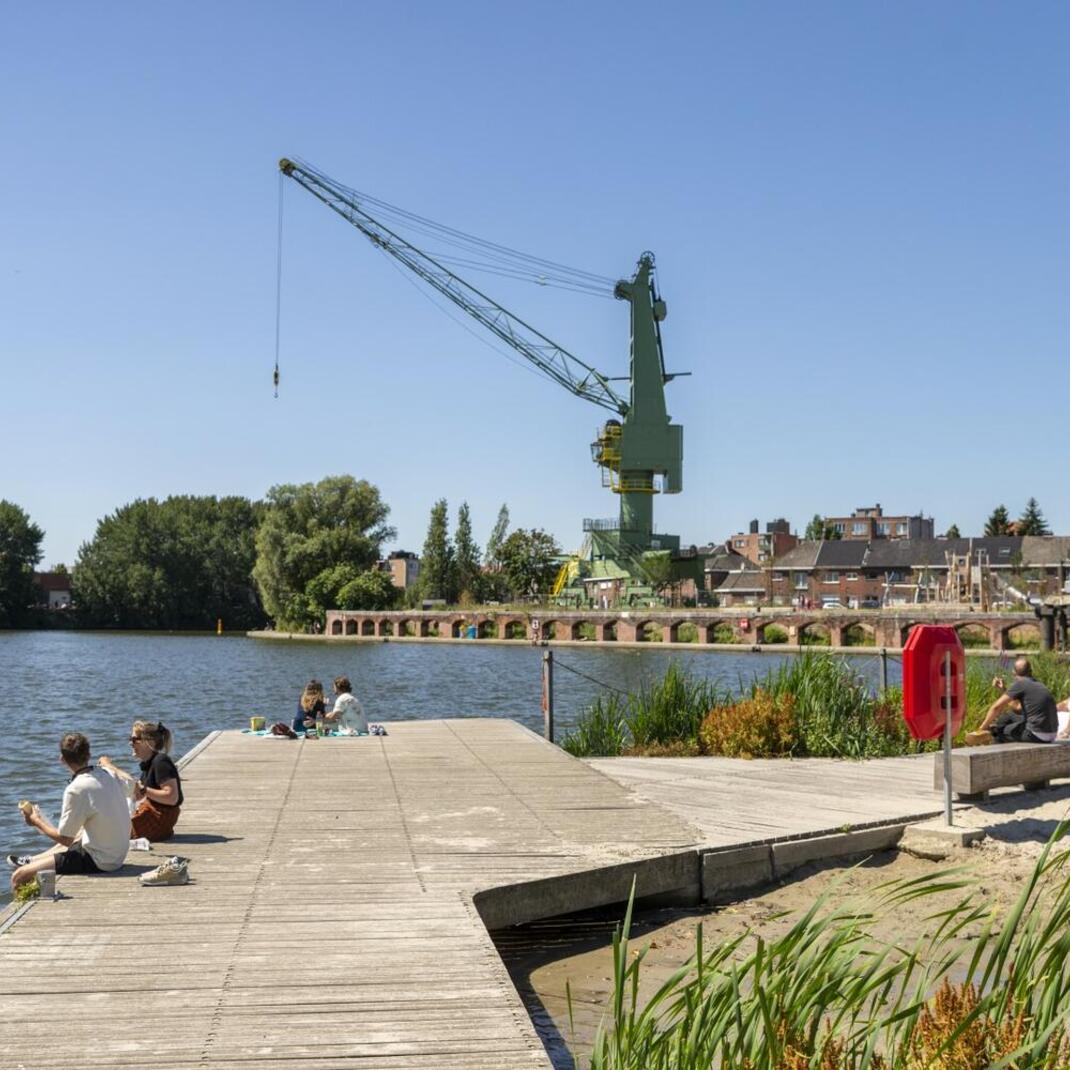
404,568
54,589
854,574
760,547
868,522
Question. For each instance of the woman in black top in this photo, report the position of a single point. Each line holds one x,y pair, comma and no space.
158,791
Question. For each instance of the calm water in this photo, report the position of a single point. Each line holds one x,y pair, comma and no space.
96,683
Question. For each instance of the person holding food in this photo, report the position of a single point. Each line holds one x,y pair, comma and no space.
158,790
93,834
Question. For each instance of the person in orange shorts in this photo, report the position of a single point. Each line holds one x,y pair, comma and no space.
158,791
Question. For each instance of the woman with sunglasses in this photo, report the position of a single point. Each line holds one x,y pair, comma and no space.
158,791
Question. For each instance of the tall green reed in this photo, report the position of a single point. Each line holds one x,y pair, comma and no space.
829,993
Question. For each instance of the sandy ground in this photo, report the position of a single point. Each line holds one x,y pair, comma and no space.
577,951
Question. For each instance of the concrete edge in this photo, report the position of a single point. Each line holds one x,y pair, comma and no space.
13,913
198,748
677,873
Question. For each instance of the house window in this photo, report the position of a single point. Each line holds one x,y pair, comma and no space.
838,527
778,576
831,576
901,528
883,527
852,575
740,543
858,528
802,581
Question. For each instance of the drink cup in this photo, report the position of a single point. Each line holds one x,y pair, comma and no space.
256,724
46,878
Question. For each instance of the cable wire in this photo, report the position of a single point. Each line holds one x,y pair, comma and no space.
576,672
278,291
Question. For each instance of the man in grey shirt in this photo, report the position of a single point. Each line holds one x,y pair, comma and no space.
1025,713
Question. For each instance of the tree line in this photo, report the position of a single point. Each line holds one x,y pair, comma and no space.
186,561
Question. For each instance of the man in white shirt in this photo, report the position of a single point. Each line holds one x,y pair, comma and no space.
347,712
94,827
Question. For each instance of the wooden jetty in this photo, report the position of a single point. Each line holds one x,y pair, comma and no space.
343,888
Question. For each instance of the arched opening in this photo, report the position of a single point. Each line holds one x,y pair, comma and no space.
386,627
721,632
859,635
1022,637
648,631
904,633
973,636
351,627
336,627
771,634
487,629
429,629
683,632
367,627
549,629
815,635
452,629
609,631
582,630
515,629
404,628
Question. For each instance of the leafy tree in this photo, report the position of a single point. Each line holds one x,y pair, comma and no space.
179,563
999,523
817,529
953,532
1032,521
528,562
466,555
20,552
312,527
438,573
373,589
497,537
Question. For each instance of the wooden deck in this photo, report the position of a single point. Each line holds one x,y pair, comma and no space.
330,921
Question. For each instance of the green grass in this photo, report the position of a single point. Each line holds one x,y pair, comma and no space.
827,994
773,633
724,633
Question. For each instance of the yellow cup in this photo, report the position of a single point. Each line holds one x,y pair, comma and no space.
256,724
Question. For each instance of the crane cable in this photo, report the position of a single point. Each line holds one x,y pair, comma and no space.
278,292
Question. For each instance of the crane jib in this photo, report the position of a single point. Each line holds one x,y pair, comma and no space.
547,356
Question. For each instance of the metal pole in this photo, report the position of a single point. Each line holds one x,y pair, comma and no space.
884,669
548,694
947,739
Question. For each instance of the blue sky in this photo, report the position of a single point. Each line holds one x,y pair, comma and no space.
859,212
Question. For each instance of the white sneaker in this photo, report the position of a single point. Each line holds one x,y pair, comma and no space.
174,871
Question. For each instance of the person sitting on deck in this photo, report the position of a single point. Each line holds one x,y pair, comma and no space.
309,707
94,826
347,713
158,791
1035,720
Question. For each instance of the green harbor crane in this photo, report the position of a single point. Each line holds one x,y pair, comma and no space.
638,449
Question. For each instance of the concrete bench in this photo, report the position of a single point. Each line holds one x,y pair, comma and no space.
976,770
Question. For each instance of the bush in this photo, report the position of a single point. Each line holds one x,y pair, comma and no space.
763,726
774,634
723,633
687,633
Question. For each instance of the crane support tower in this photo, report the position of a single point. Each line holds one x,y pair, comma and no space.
639,450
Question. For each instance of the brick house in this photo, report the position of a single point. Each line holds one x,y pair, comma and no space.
857,574
869,523
760,547
53,589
